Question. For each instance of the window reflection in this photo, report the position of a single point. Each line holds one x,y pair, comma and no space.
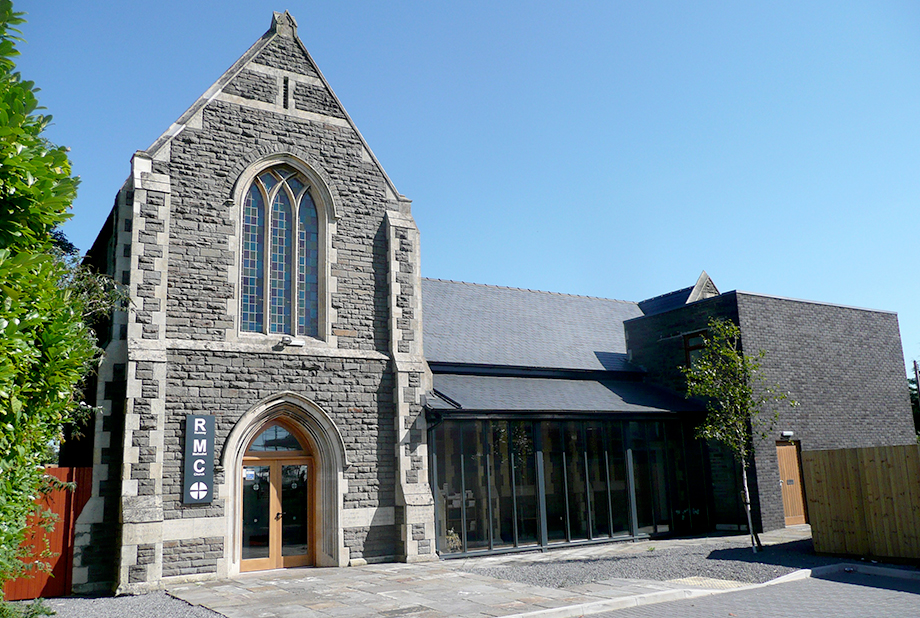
488,490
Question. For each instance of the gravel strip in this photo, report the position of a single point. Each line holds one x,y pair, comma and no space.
732,560
153,605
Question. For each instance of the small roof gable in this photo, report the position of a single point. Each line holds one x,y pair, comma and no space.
466,323
704,288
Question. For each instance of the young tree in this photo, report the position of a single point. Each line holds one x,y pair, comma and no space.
736,399
46,346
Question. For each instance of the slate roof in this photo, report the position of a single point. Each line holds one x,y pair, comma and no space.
490,325
523,394
665,302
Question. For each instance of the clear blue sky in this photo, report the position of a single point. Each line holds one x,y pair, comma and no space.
601,148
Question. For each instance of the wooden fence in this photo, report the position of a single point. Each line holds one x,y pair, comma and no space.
864,502
67,505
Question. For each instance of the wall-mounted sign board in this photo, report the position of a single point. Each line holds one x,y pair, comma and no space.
198,480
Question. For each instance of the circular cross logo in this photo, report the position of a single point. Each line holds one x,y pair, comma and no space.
198,491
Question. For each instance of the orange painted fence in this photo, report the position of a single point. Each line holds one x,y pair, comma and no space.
67,506
865,501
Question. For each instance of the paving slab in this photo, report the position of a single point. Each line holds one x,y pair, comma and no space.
448,588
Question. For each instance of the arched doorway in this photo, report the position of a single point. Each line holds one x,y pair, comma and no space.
278,499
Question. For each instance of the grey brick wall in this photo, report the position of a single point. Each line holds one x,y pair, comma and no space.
656,342
843,366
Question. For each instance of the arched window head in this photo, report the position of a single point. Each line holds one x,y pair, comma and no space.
280,271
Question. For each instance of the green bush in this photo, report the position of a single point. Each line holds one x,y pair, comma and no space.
46,344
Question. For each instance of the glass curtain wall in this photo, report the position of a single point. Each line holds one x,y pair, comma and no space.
506,484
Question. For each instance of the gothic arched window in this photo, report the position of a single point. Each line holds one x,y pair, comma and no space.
280,270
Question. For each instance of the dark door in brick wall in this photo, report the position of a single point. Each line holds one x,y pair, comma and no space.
277,501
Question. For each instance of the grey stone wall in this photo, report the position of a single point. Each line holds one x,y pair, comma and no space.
356,393
312,98
373,544
287,54
200,252
185,356
97,528
843,366
192,556
255,86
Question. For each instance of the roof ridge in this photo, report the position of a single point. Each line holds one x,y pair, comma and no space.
548,292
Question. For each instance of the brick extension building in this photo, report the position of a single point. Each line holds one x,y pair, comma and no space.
274,272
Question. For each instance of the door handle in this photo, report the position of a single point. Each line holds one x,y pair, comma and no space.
277,516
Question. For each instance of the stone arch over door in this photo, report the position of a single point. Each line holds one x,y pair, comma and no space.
328,450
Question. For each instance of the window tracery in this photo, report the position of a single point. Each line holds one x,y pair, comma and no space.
280,254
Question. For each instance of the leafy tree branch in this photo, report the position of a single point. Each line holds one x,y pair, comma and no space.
740,408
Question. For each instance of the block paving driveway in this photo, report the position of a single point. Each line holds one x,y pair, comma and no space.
841,595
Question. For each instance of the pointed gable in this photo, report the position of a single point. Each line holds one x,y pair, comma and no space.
286,54
704,288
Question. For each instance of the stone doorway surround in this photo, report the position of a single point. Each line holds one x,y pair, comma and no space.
328,449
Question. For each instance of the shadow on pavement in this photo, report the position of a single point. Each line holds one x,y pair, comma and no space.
874,581
795,554
799,555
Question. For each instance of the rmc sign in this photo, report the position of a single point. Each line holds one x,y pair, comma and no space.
198,480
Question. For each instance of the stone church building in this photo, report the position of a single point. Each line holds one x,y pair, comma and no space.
277,303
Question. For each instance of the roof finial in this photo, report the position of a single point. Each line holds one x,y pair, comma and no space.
284,24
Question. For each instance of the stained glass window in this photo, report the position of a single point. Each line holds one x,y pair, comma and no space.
307,274
253,261
270,253
280,271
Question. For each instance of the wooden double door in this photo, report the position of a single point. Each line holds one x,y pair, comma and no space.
277,505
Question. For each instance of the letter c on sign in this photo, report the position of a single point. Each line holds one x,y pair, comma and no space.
198,466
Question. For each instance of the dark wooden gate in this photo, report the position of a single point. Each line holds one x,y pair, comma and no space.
67,506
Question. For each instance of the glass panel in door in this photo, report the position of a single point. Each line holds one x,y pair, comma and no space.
256,518
295,536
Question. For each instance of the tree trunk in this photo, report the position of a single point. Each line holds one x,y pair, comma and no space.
755,540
